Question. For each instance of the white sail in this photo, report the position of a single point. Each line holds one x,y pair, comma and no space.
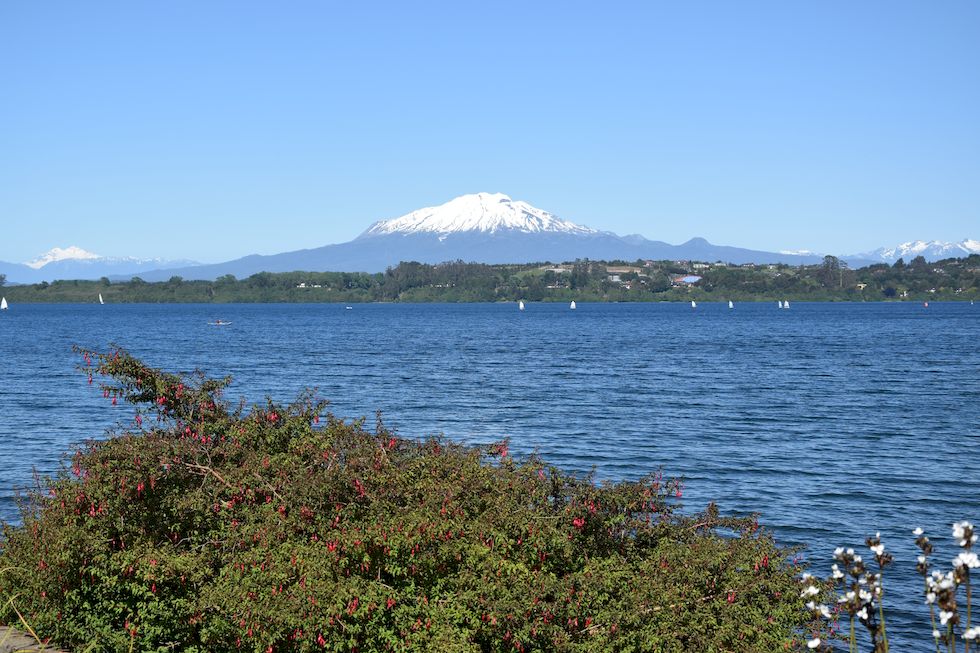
520,304
730,304
3,304
780,303
572,305
100,299
694,304
786,304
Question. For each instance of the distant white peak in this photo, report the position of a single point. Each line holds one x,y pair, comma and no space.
484,212
798,252
933,247
58,254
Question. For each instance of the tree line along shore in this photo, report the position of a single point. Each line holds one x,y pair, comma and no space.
954,279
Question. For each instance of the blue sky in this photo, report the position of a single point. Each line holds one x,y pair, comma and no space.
212,130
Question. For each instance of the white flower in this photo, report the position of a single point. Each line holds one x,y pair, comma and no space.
930,597
813,643
837,573
945,616
966,559
824,611
922,560
959,532
878,549
935,633
810,590
917,531
864,595
863,614
972,633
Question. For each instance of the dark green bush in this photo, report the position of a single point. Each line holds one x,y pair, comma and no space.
213,528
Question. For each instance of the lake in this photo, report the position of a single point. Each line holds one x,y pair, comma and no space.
831,420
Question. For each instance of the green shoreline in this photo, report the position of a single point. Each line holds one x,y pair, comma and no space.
582,281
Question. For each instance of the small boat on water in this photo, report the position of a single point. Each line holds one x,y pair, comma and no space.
3,304
780,303
219,323
348,308
100,299
572,305
520,305
786,304
694,304
730,304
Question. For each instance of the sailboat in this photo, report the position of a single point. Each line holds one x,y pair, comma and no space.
572,305
730,304
520,304
100,299
3,304
780,303
694,304
786,304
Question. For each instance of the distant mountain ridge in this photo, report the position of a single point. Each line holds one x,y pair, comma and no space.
76,263
481,227
931,250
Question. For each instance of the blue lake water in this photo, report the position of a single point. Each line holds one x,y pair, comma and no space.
831,420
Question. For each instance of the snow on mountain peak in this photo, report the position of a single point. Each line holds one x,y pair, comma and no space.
931,250
484,212
59,254
934,248
798,252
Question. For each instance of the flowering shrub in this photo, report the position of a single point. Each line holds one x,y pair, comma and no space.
209,527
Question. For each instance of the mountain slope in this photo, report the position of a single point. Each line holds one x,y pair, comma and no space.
482,227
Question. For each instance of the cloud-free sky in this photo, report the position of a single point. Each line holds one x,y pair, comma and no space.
212,130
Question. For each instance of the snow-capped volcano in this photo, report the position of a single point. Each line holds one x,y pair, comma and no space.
479,212
71,253
932,250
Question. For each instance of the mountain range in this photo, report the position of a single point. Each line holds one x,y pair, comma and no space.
76,263
482,227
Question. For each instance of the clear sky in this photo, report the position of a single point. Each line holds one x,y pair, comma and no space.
212,130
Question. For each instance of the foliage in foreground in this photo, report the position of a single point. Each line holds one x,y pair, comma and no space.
210,527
